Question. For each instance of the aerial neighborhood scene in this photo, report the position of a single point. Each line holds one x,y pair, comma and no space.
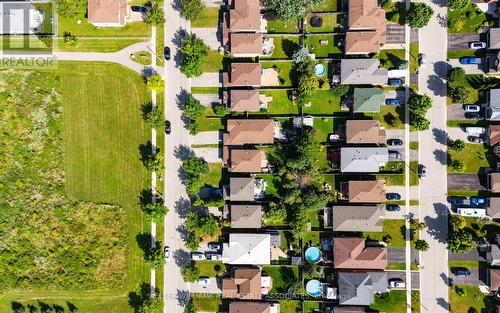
250,156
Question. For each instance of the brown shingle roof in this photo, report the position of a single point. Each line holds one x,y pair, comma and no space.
364,42
494,134
495,182
494,274
249,307
244,283
241,189
367,27
243,75
351,253
364,131
246,161
494,207
243,100
244,15
240,132
245,43
246,216
367,191
107,11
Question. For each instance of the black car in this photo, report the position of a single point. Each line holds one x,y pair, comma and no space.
460,271
138,8
392,196
166,52
422,171
392,207
395,82
394,155
472,116
167,127
394,142
475,139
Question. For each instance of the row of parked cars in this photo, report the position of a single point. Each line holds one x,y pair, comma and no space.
212,255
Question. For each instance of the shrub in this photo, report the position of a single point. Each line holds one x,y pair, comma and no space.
220,110
456,74
457,166
460,94
457,145
340,90
457,4
70,40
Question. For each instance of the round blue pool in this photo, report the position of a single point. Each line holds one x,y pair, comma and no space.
313,255
314,288
319,69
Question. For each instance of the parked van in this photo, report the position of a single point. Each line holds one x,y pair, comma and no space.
473,212
475,130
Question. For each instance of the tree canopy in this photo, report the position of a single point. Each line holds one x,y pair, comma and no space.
153,257
155,82
154,305
421,245
419,104
292,9
458,4
155,211
202,224
460,94
191,9
305,154
457,145
276,214
193,168
457,222
456,74
419,122
299,222
194,53
419,14
460,241
153,116
155,15
71,8
190,273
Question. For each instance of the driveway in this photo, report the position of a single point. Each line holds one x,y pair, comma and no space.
208,99
397,255
211,36
401,191
467,181
468,68
456,112
461,41
415,277
206,138
455,133
215,286
207,80
211,155
395,34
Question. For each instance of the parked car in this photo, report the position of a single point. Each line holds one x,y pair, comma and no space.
460,271
215,192
421,60
166,53
475,139
472,108
197,256
475,130
396,283
392,196
422,171
392,102
214,246
166,253
204,281
469,60
394,155
214,256
472,116
392,207
168,127
394,142
139,8
477,45
396,82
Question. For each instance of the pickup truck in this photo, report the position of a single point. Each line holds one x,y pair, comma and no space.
473,201
469,60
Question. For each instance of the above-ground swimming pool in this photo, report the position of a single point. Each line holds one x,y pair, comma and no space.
314,288
319,69
313,255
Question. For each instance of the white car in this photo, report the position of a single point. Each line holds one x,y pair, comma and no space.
198,256
166,253
214,256
396,283
477,45
475,130
472,108
204,281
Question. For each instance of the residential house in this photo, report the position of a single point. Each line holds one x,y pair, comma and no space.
23,18
240,189
243,75
356,218
363,191
364,131
242,100
245,283
493,256
245,160
247,249
253,307
107,13
243,16
368,100
494,138
494,280
249,131
362,160
493,209
351,253
494,182
360,288
244,215
492,112
245,44
362,72
367,27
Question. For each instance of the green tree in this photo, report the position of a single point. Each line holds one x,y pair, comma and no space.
155,82
202,224
191,9
193,109
460,291
457,165
305,155
195,53
190,273
154,162
419,122
421,245
457,222
416,225
155,211
193,185
340,90
314,200
153,257
387,238
154,305
460,94
456,74
292,9
153,117
276,214
155,15
71,8
457,145
307,84
457,4
419,104
419,14
460,241
190,307
70,40
220,110
300,55
194,167
193,242
299,222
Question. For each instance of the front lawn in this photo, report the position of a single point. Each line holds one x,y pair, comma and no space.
323,102
214,176
391,58
209,18
392,302
393,228
283,277
473,83
210,268
85,29
290,306
97,45
467,263
210,124
282,27
390,116
206,302
457,54
472,17
280,104
326,125
285,70
476,157
472,298
329,23
325,46
284,47
213,62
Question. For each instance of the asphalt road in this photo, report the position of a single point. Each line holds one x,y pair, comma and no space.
433,206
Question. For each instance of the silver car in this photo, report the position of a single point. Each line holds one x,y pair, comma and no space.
477,45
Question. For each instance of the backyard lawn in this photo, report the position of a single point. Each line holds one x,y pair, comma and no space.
472,298
274,186
393,228
324,45
285,70
476,157
284,47
283,277
209,18
327,6
472,18
85,29
282,27
280,104
329,23
323,102
326,125
290,306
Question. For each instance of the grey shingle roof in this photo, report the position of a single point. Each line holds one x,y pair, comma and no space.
362,72
357,218
363,160
359,288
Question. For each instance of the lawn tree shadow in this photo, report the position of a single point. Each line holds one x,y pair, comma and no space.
146,108
438,227
137,299
57,308
146,151
440,135
289,47
288,276
144,241
183,297
44,307
32,308
17,307
147,71
443,303
441,156
71,307
182,258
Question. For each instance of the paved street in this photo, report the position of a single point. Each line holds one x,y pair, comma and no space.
175,291
433,205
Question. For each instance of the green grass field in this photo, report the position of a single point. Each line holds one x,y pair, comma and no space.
476,157
329,48
85,29
284,47
392,228
328,26
472,298
208,18
97,45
